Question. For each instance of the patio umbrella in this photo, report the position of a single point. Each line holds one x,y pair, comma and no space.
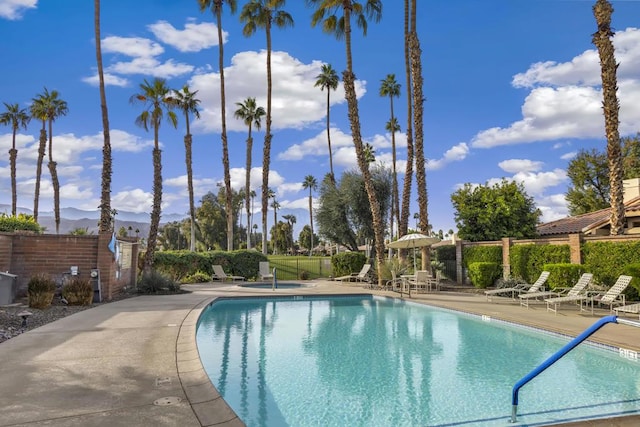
413,240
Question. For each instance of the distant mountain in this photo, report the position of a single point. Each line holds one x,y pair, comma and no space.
72,218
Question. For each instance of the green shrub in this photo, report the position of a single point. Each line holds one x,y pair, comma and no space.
197,277
245,263
484,274
632,293
180,264
157,283
9,223
471,254
78,291
304,275
40,290
527,261
563,275
345,263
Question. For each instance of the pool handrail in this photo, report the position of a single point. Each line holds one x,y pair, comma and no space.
559,354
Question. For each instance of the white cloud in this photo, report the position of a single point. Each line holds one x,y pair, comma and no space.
135,200
14,9
454,154
151,67
295,101
194,37
109,80
520,165
568,156
135,47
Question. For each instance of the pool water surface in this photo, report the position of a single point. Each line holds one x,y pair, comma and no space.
373,361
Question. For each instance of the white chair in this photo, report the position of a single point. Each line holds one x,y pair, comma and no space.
630,309
265,274
219,274
614,295
537,286
577,294
362,276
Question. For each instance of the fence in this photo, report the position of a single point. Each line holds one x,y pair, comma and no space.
297,268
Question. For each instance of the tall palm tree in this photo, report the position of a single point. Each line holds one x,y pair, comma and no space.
328,79
310,183
403,225
186,101
418,109
602,10
156,100
17,118
264,14
216,8
291,219
391,88
105,193
251,115
38,111
55,107
327,13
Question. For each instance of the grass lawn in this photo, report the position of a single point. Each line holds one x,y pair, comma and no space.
295,267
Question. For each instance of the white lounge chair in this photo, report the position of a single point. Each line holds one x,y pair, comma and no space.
577,294
528,296
219,274
614,295
362,276
537,286
265,274
630,308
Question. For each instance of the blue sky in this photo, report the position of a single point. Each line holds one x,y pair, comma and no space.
512,90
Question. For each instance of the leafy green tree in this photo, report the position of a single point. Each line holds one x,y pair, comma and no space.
631,156
172,237
311,184
265,14
280,237
589,175
84,231
291,219
307,239
328,79
211,232
331,216
186,101
485,212
157,102
16,118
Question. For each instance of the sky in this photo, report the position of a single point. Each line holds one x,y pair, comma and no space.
512,90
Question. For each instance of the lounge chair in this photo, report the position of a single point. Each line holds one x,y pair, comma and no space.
265,274
630,308
537,286
362,276
614,295
577,294
582,283
219,274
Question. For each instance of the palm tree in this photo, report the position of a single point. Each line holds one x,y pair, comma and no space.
156,100
602,11
216,8
16,118
251,115
105,193
403,224
391,88
38,112
311,184
291,219
55,107
327,14
418,109
264,14
328,79
186,101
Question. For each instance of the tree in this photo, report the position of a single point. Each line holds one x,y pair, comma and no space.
389,87
171,237
331,216
216,8
327,13
264,14
156,100
250,114
328,79
291,219
306,238
211,221
487,212
280,237
186,101
602,11
589,190
107,169
38,111
311,184
17,118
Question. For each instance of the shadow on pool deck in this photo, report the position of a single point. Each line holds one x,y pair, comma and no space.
134,362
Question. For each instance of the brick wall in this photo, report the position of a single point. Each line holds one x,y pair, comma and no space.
6,244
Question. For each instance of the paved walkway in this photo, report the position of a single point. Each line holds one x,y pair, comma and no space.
134,362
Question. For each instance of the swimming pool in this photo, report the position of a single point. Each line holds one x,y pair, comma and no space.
372,361
269,285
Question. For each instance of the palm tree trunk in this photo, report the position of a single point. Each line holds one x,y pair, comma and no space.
348,79
157,203
42,146
311,220
266,152
192,210
247,187
602,11
225,147
418,100
403,224
333,177
105,196
54,180
13,155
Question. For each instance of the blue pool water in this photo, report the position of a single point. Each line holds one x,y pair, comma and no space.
371,361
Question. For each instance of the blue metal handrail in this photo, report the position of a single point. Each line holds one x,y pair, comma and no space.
554,358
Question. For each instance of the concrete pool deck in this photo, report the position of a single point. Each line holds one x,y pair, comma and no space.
134,362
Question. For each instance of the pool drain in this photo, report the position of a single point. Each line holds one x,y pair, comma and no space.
166,401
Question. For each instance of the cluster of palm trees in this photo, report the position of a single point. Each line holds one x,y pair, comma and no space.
45,107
